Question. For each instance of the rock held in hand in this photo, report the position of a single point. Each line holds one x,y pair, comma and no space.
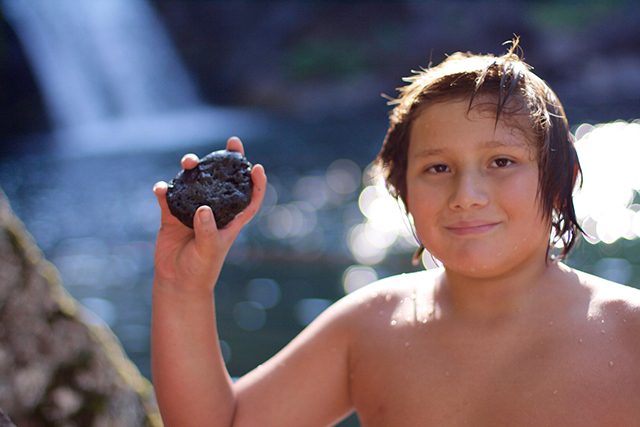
221,180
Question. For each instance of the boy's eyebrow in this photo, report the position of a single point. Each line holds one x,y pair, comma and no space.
430,152
492,143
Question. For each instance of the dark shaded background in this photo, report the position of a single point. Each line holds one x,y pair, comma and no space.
318,59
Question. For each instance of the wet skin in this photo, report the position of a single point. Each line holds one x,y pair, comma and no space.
550,363
501,335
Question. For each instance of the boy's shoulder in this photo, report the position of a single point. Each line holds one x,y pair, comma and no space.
400,286
605,291
609,298
386,300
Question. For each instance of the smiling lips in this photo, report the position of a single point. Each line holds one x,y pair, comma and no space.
470,228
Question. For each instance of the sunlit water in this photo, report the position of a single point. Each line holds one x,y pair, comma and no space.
607,205
95,217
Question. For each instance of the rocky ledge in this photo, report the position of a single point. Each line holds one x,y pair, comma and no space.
55,368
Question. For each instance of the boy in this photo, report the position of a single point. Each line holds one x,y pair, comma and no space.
480,153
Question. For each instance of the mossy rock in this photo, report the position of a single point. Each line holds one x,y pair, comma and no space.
56,369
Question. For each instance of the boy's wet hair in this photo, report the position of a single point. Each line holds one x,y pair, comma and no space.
507,84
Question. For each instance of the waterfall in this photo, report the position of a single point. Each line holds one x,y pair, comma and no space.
111,78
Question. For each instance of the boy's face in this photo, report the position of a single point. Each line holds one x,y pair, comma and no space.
471,189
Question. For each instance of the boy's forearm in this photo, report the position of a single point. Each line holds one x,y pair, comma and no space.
192,385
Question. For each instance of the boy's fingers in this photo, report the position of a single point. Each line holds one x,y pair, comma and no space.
234,144
204,220
259,179
204,225
189,161
259,186
160,190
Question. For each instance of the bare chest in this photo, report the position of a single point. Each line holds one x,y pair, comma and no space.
412,375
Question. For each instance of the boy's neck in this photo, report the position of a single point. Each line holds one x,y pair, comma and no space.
509,295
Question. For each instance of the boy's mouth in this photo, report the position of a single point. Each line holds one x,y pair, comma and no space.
467,228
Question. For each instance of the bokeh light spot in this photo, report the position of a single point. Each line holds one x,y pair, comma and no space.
357,276
249,315
265,292
307,309
343,176
608,155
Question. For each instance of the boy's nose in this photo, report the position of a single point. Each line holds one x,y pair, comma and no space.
468,192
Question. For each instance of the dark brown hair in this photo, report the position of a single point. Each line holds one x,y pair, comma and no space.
514,89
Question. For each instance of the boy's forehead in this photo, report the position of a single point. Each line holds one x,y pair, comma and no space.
448,120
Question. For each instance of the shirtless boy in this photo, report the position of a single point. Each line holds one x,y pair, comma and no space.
479,152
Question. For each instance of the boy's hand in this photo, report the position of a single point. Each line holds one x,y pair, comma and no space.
190,260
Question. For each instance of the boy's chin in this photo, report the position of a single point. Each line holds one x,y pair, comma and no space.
479,267
471,271
492,268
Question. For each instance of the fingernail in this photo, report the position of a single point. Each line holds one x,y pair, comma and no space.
158,185
205,215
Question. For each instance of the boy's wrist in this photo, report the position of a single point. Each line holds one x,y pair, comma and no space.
178,290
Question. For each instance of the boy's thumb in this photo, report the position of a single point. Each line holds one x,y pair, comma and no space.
204,225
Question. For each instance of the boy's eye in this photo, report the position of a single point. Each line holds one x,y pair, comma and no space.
502,162
438,169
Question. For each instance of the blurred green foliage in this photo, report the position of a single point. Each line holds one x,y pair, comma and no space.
569,14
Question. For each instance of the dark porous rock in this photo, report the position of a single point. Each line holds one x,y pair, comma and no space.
222,181
56,369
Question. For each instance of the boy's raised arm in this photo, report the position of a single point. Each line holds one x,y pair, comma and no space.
191,381
305,384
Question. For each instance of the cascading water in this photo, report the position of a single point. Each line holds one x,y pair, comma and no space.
111,78
112,84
